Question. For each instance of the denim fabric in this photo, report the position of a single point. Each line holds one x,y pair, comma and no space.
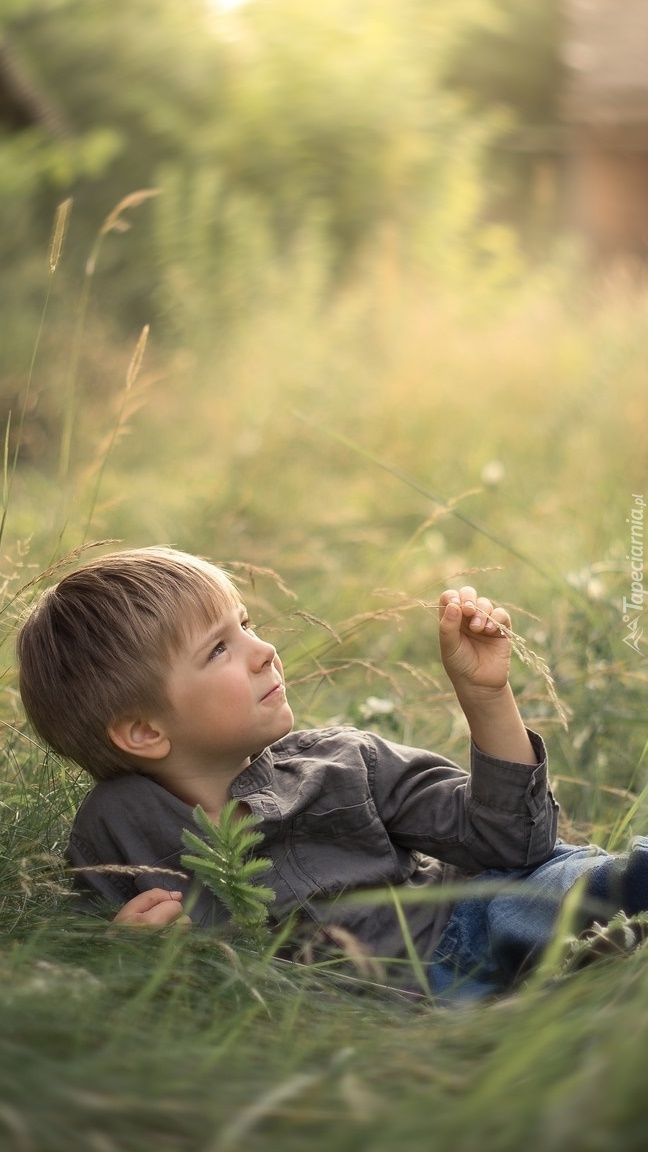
490,941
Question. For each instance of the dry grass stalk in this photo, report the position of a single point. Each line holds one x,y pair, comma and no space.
537,663
519,646
130,402
137,357
57,567
419,675
252,571
446,509
323,673
58,232
128,869
356,952
311,619
114,221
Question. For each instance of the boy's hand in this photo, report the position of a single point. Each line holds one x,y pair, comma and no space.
476,656
475,653
155,908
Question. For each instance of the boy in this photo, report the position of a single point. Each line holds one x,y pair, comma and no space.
142,667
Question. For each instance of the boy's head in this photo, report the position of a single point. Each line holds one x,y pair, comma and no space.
98,645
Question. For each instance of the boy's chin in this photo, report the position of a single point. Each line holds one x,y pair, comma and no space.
286,725
290,722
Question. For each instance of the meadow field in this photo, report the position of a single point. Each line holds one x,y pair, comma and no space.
347,454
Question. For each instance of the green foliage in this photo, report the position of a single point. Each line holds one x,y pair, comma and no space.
511,58
222,862
229,1054
512,62
273,120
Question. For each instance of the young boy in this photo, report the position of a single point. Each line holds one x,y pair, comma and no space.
142,667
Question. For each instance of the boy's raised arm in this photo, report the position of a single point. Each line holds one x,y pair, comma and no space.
476,656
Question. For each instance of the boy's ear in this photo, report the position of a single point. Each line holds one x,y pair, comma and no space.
140,738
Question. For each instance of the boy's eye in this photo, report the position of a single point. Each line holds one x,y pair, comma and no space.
221,646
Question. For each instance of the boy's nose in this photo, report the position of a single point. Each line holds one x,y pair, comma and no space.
264,653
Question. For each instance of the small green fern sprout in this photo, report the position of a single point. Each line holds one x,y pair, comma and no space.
223,863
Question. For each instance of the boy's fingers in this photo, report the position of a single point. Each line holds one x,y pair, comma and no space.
492,621
465,599
478,611
146,901
154,896
448,595
449,609
482,614
468,594
169,912
501,616
462,598
159,916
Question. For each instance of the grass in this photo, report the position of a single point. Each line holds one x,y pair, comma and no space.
337,456
178,1043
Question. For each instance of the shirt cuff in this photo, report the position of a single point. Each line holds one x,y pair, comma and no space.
506,785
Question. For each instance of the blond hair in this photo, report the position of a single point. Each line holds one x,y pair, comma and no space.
96,647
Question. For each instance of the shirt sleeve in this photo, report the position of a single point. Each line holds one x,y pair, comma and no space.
93,881
500,815
127,838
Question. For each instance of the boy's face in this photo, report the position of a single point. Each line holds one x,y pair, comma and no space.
226,695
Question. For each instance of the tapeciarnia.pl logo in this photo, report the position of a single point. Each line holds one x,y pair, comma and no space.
633,606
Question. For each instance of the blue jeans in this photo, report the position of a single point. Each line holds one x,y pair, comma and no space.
490,941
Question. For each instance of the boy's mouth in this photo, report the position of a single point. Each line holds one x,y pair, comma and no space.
276,688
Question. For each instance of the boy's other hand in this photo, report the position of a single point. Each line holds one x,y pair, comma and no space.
155,908
475,652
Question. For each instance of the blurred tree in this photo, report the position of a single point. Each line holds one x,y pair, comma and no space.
262,125
131,83
334,124
135,82
512,59
513,63
334,111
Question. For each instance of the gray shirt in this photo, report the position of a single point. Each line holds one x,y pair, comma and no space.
339,810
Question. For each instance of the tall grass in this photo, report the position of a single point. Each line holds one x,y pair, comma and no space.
348,457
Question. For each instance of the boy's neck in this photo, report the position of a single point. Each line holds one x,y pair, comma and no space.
208,789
